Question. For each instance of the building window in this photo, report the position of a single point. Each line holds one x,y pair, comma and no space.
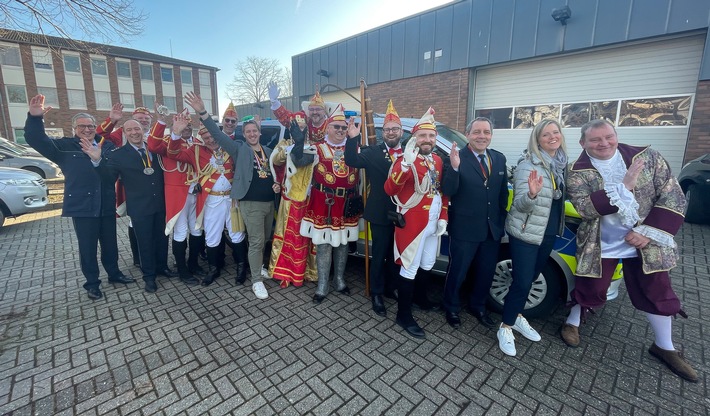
208,104
20,136
98,67
103,100
527,117
77,99
72,63
123,69
50,96
42,58
170,103
166,74
186,76
149,101
146,71
53,133
205,79
667,111
16,94
10,56
577,114
500,117
127,100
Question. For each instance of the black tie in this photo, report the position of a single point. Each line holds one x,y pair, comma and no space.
484,165
144,157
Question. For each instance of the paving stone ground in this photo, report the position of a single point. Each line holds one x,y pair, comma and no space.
218,350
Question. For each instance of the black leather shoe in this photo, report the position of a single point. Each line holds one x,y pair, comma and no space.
344,291
378,305
317,299
189,280
412,328
121,279
208,280
166,272
94,293
151,287
392,295
484,318
453,319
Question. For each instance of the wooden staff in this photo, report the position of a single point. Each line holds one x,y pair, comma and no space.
367,132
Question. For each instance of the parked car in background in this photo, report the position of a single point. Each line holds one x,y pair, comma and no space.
694,178
555,282
21,159
6,144
20,192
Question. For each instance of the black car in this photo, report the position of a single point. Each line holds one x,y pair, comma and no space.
694,178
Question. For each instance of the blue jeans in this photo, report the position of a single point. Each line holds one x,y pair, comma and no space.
528,261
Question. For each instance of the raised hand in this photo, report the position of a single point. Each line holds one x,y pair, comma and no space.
454,156
298,135
353,130
87,146
37,106
632,174
116,112
534,184
194,101
274,91
410,152
180,122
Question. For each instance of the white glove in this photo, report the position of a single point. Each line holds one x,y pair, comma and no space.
440,227
274,91
410,153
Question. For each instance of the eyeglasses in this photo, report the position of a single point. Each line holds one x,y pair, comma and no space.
391,130
85,126
230,120
343,128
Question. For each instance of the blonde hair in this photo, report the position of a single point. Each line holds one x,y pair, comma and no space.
534,142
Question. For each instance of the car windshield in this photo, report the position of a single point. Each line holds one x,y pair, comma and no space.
13,149
452,135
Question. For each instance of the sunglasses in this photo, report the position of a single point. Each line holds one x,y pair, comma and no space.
230,120
343,128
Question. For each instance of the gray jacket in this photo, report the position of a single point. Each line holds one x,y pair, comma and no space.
527,219
242,156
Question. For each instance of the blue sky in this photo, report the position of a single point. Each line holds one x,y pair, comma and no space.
219,32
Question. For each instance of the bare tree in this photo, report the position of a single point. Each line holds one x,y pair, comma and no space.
93,20
286,82
250,84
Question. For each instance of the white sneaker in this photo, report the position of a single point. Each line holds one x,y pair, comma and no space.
259,290
506,341
524,328
264,272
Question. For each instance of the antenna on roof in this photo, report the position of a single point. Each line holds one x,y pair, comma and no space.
171,47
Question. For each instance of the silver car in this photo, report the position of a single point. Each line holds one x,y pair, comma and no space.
20,192
18,157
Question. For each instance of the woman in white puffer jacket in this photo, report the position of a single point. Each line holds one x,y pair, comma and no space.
535,220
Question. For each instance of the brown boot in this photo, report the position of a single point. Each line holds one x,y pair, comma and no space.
570,335
676,362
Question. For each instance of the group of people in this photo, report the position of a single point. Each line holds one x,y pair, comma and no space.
203,190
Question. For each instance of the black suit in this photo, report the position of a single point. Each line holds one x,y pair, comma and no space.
89,199
476,225
376,162
145,204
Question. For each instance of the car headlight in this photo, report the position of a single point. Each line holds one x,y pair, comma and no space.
16,182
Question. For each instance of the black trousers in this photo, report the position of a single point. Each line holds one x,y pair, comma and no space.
91,231
152,243
383,270
484,256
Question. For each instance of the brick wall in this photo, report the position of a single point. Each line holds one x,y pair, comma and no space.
699,135
447,92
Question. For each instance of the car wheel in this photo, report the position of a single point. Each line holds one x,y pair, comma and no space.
2,218
36,170
695,212
544,293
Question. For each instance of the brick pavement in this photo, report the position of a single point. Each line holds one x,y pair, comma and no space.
218,350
